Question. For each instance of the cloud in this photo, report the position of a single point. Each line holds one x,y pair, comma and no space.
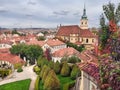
48,13
63,12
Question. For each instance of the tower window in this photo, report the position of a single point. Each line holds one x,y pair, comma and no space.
82,23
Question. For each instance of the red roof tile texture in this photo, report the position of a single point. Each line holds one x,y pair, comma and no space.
13,59
67,30
54,42
86,33
65,51
50,42
74,29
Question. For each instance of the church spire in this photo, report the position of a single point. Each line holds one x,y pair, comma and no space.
84,20
84,16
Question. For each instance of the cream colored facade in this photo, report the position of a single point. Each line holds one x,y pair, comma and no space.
53,48
84,24
88,82
2,46
74,38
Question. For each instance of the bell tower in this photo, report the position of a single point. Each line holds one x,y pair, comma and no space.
84,20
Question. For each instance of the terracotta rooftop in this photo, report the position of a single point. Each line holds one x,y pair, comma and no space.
7,41
65,51
10,58
4,50
54,42
67,30
74,29
91,69
36,42
86,33
90,64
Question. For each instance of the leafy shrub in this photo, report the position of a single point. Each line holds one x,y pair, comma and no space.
73,59
65,71
42,61
17,65
36,69
75,72
41,38
19,69
52,82
57,67
64,59
51,64
37,83
5,72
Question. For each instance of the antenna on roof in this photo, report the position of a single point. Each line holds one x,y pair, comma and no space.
60,25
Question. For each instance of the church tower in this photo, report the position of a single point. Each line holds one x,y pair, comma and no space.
84,20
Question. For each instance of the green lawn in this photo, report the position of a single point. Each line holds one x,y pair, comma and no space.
18,85
63,81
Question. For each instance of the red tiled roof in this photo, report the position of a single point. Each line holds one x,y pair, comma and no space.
67,30
89,64
50,42
7,41
10,58
91,69
4,50
36,42
65,51
86,33
54,42
74,29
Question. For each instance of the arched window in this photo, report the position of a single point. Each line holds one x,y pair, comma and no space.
92,40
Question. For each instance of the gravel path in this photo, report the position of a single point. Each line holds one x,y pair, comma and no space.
26,74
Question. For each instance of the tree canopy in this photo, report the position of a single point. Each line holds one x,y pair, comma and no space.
31,52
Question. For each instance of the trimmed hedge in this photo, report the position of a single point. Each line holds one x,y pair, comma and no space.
57,67
42,71
45,73
65,71
19,69
18,65
5,72
37,83
52,82
75,72
36,69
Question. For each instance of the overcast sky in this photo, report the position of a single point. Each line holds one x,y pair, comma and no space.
49,13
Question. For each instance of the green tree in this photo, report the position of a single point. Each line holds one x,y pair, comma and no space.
41,38
33,52
57,67
51,64
45,73
111,12
41,61
104,33
75,72
42,71
65,71
51,81
73,59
